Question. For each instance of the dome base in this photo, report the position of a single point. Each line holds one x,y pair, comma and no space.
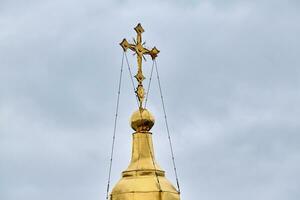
144,188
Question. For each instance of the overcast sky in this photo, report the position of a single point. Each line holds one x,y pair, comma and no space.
230,73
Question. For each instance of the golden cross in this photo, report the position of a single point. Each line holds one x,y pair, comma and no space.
140,51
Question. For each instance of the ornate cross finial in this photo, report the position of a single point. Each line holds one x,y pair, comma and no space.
140,51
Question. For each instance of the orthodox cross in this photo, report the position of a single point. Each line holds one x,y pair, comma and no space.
140,51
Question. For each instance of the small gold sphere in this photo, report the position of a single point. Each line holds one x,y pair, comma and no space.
142,120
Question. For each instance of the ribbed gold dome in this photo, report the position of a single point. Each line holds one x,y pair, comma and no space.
142,120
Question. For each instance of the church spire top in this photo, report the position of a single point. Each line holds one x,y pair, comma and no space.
143,179
140,51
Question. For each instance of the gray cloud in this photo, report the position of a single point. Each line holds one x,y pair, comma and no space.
230,75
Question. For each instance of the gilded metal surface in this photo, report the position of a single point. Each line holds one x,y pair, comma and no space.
142,120
140,51
143,179
140,180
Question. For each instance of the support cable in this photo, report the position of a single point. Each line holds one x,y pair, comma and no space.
131,77
151,153
149,84
133,85
154,165
167,126
115,127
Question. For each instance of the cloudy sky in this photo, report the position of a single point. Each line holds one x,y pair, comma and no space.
230,73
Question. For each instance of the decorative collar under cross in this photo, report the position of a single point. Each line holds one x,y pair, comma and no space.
140,51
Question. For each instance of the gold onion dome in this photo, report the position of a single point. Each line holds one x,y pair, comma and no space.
142,120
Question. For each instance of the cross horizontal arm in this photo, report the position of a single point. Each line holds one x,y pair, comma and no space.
126,45
153,52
